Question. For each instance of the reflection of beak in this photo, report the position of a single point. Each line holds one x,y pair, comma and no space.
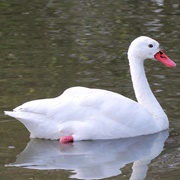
162,57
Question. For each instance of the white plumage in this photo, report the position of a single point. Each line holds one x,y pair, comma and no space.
85,113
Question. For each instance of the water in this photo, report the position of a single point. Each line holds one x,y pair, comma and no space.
49,46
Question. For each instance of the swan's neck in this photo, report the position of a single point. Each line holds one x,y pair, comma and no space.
143,92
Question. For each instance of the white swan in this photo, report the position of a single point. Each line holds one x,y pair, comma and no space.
82,113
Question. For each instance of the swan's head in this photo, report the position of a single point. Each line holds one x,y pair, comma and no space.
144,47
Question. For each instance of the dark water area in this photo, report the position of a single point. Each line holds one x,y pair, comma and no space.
49,46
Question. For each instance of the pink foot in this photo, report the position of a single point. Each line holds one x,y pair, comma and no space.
66,139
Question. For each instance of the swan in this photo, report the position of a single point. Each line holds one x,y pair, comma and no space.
82,113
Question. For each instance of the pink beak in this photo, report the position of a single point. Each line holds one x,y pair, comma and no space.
162,57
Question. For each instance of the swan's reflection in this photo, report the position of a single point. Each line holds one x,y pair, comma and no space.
93,159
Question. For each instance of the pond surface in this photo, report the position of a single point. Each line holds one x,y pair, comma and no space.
48,46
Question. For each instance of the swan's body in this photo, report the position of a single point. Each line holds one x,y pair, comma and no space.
81,113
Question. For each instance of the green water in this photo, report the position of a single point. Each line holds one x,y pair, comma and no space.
48,46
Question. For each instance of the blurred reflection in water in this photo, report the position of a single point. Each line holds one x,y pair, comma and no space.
93,159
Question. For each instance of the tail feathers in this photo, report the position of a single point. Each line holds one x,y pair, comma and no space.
27,116
39,126
10,113
19,115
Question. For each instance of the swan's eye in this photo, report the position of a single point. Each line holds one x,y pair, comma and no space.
150,45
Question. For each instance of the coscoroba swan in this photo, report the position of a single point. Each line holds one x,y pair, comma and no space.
87,114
